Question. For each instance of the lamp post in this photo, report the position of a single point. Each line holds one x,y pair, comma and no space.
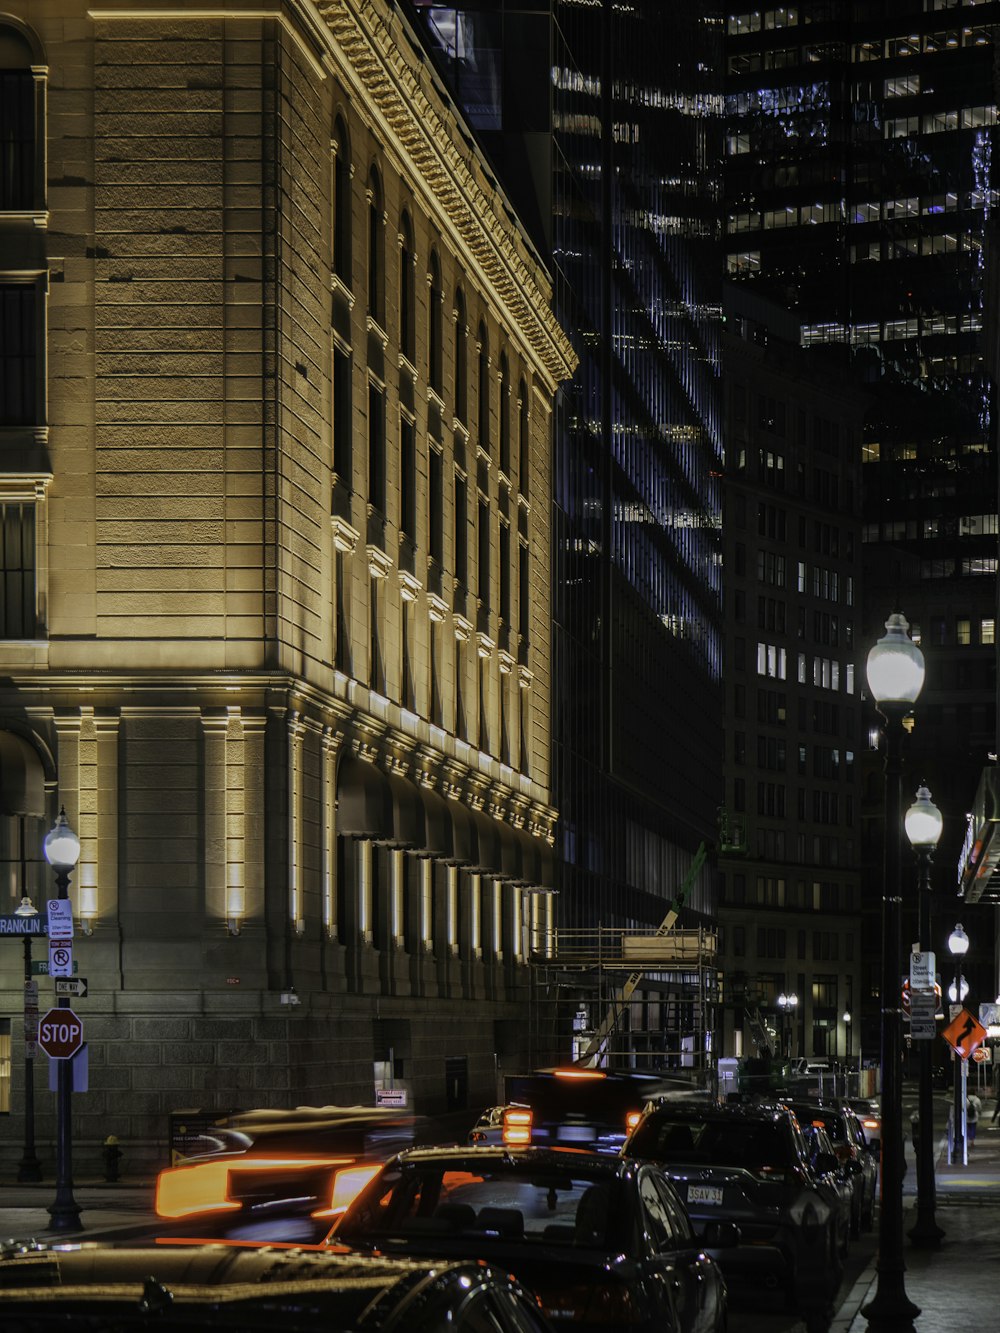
895,672
787,1004
62,851
923,825
958,947
29,1168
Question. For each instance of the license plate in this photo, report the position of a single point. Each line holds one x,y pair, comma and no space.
704,1194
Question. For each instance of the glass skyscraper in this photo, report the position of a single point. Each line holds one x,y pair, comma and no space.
860,184
605,125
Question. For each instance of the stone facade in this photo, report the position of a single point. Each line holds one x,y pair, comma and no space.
283,649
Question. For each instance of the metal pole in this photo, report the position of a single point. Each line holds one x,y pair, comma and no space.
64,1211
30,1167
890,1310
925,1234
958,1109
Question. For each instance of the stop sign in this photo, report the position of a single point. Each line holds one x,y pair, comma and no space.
60,1034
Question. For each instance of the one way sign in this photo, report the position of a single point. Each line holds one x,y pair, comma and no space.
964,1033
71,986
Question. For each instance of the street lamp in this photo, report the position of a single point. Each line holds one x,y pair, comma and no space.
895,671
62,851
958,947
30,1168
787,1004
923,824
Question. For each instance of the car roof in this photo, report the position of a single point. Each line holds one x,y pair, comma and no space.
755,1111
564,1159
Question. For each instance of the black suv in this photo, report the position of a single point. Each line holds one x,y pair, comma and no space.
750,1164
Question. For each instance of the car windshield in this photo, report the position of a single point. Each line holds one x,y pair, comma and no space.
490,1200
718,1142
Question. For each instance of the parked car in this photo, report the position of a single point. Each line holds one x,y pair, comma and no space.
212,1289
603,1242
869,1112
750,1165
831,1172
850,1146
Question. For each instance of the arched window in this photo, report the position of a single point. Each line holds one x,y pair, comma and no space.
376,249
484,389
461,359
406,288
341,202
434,359
523,439
20,175
504,415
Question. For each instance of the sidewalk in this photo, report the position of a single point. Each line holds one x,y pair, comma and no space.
954,1286
23,1207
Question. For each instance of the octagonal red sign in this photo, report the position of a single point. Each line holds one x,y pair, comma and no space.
60,1034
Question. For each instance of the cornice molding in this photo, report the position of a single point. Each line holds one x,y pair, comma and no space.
397,87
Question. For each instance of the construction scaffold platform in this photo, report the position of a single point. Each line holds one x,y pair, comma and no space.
629,999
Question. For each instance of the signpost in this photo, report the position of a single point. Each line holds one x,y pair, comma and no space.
60,1034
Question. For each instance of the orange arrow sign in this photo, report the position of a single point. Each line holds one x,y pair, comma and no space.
964,1033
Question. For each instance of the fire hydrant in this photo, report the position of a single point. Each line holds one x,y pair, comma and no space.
112,1155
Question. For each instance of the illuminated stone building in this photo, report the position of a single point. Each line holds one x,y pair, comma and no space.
276,389
790,836
859,187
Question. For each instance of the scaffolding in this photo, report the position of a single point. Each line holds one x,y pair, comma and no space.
628,999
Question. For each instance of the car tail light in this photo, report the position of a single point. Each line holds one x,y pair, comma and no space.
516,1127
612,1305
631,1120
871,1124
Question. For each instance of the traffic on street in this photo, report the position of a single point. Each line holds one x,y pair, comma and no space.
694,1215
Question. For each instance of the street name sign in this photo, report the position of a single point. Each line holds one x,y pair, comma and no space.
40,967
60,1034
12,924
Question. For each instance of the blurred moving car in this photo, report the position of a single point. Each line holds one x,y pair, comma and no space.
603,1242
869,1112
502,1124
583,1108
287,1176
205,1289
850,1146
750,1164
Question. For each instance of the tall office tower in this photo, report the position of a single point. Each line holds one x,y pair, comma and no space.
790,943
860,182
604,122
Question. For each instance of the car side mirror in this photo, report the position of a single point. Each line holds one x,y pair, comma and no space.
824,1162
721,1235
853,1167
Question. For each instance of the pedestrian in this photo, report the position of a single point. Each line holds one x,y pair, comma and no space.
996,1094
973,1106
